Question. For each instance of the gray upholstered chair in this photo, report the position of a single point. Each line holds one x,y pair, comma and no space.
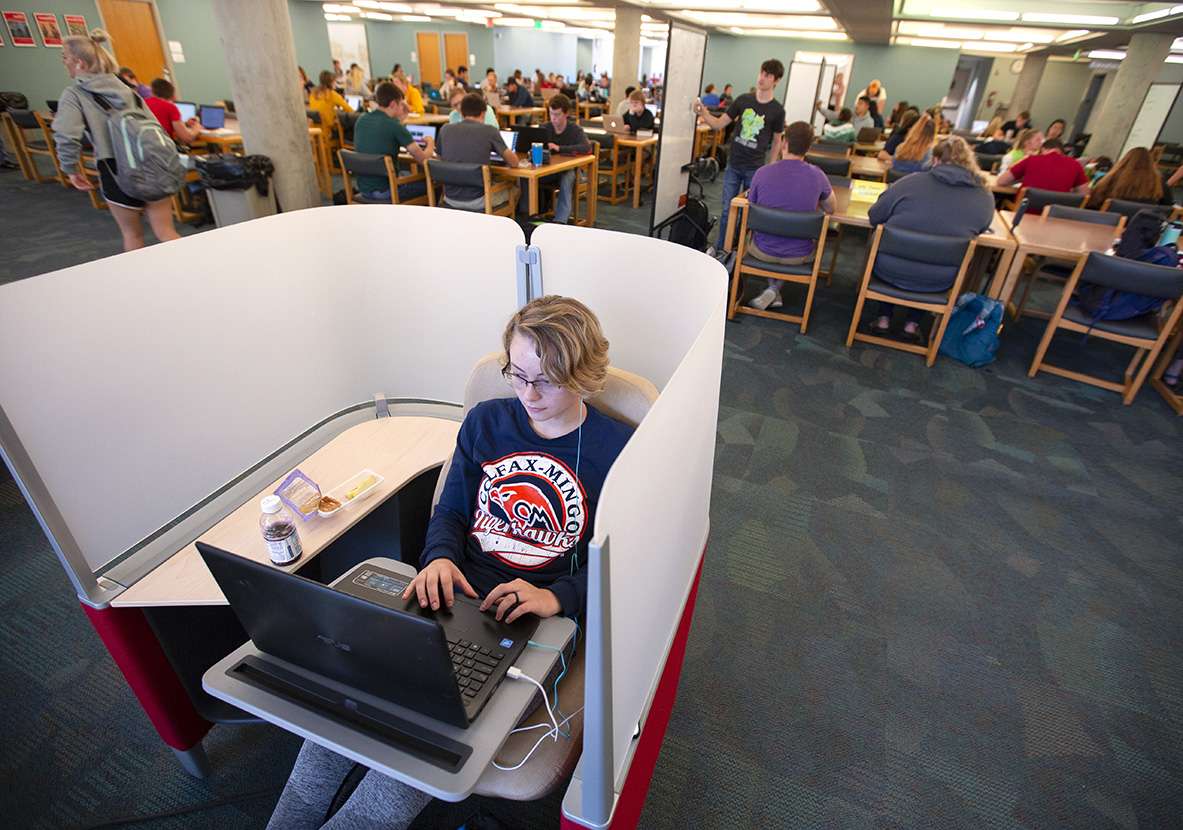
1146,334
792,224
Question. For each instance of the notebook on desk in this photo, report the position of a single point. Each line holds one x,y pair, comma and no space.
444,665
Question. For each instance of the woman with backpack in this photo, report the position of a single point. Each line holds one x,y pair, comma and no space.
93,69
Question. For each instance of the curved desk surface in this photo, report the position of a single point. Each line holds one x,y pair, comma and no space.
397,448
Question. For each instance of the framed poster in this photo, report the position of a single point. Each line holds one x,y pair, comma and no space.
75,25
51,32
18,29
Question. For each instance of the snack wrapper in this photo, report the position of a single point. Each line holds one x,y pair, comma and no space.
300,493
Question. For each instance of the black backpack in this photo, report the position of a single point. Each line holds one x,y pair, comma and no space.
13,101
691,224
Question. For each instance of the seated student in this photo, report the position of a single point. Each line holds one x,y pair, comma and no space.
381,132
860,119
996,143
623,107
1055,130
129,78
166,112
454,117
1049,170
842,129
555,357
993,130
638,117
1027,143
709,97
583,90
915,152
565,138
462,77
448,85
897,114
1135,178
325,100
410,92
727,96
790,184
902,128
471,141
355,81
1022,122
490,82
519,96
948,199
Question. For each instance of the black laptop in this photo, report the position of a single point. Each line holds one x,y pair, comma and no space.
445,664
527,137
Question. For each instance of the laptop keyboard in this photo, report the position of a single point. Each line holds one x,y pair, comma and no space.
472,665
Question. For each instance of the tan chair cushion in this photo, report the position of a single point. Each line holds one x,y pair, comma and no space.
553,761
625,397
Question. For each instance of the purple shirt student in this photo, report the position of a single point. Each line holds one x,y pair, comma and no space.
791,184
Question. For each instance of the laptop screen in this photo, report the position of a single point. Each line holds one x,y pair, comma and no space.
213,118
652,108
188,110
354,102
53,105
509,136
421,132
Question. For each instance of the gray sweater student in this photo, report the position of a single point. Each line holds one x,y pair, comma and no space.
862,114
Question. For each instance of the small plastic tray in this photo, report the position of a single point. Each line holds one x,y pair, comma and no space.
341,490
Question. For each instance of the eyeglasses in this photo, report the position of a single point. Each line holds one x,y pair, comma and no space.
542,386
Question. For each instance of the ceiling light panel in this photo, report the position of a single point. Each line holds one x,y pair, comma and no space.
777,6
974,14
339,8
795,33
378,16
1070,19
331,17
761,21
1146,17
1107,55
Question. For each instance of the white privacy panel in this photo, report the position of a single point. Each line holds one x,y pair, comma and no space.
801,91
654,513
652,300
139,386
1156,106
683,80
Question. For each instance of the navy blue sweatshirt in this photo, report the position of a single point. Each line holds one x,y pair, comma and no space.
513,505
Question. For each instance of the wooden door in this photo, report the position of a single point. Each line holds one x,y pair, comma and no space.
428,44
135,37
456,49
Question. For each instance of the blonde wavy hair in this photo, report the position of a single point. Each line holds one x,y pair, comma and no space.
955,150
91,53
567,339
919,141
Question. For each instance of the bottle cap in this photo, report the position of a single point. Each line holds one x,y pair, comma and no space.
271,504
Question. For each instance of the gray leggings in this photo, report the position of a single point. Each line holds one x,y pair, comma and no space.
378,801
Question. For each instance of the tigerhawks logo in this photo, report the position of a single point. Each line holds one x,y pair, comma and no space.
530,509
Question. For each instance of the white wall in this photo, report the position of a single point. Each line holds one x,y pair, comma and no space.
530,49
1061,89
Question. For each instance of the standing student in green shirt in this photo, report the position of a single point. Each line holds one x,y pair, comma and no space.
381,132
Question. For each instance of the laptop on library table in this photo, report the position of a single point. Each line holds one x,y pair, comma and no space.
615,124
444,665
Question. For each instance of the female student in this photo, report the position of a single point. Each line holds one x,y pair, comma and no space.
555,357
1027,143
948,200
1135,178
92,69
355,81
902,128
915,152
454,117
325,100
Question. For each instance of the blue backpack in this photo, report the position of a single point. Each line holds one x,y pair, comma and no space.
1101,303
972,333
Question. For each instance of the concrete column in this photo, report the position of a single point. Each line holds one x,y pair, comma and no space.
626,52
261,61
1027,85
1143,61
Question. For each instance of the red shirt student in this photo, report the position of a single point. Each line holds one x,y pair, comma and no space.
1049,170
166,112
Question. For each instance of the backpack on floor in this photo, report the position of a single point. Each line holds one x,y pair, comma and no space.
691,224
13,101
972,334
147,165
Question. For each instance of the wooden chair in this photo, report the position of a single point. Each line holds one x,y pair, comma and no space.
366,164
47,133
1173,397
1147,334
917,247
617,172
1129,209
868,135
894,175
989,161
1060,270
834,148
1038,199
471,175
584,188
19,122
87,166
829,165
792,224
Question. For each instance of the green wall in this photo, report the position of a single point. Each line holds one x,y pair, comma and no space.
392,43
311,37
37,70
913,73
202,78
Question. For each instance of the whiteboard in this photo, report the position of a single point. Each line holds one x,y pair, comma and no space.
829,70
675,143
348,44
1156,106
801,91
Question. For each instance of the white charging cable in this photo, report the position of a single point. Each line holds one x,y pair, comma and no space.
552,731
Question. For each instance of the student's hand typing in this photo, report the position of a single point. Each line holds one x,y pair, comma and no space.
520,597
436,582
554,148
80,182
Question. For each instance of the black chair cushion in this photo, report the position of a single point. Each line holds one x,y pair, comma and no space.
830,166
786,223
1128,208
1055,270
917,246
364,164
894,175
1130,275
25,119
805,270
1137,327
1038,199
456,173
880,287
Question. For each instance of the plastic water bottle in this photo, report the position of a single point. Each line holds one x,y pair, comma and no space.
279,532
